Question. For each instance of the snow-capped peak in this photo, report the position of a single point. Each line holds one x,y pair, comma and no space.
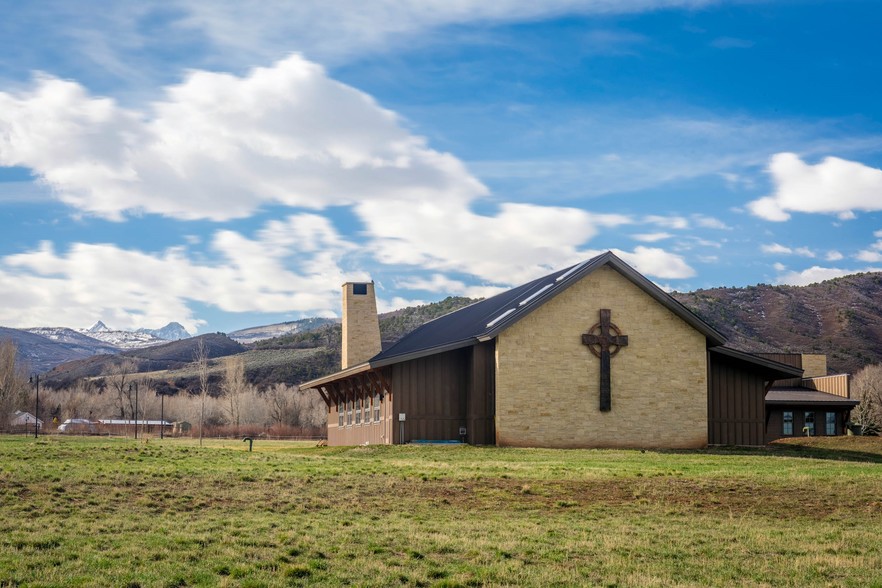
98,327
170,332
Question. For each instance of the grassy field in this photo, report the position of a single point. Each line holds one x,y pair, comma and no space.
114,512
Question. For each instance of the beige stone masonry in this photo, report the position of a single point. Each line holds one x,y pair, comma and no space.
814,365
361,326
548,382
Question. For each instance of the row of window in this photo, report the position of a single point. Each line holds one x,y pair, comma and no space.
809,421
357,412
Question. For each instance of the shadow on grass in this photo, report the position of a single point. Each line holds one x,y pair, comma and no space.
857,449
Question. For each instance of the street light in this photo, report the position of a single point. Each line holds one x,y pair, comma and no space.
35,379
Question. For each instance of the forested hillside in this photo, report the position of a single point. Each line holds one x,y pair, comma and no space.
841,318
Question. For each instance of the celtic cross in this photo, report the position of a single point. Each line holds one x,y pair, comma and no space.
604,340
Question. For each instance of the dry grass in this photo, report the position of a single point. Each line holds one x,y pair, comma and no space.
124,513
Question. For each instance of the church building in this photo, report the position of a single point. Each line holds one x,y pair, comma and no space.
594,355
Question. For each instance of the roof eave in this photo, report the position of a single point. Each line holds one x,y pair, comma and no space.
784,371
425,352
387,361
831,402
350,371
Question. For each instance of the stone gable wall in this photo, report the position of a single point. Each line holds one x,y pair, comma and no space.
548,382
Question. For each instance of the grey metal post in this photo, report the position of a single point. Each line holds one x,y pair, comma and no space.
35,378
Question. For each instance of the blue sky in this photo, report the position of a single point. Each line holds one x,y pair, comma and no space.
224,166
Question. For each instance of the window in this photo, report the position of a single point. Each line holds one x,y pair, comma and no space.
831,423
788,422
358,411
367,410
809,423
377,407
349,412
341,412
359,289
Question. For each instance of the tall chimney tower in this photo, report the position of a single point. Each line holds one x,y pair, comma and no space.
361,327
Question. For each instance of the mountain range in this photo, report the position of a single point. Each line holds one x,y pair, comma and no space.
42,348
841,318
255,334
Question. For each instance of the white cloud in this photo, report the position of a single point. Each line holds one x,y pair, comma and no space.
709,222
811,275
347,29
442,285
291,266
651,237
396,303
817,274
834,186
777,248
780,267
657,262
669,222
690,243
833,256
650,150
132,41
219,147
873,253
521,242
869,256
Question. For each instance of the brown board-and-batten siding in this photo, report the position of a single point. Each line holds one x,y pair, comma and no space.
736,405
440,394
737,386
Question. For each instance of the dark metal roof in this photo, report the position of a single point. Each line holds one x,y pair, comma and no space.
803,396
768,368
484,320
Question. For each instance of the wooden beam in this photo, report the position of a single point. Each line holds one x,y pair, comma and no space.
339,392
349,393
324,397
385,382
375,381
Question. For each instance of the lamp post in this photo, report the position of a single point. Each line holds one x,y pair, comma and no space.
35,379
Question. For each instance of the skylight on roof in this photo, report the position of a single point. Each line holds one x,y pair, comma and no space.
535,294
571,271
500,317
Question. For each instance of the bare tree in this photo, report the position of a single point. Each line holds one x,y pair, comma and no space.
235,386
119,379
280,404
201,361
290,406
13,385
311,409
867,387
